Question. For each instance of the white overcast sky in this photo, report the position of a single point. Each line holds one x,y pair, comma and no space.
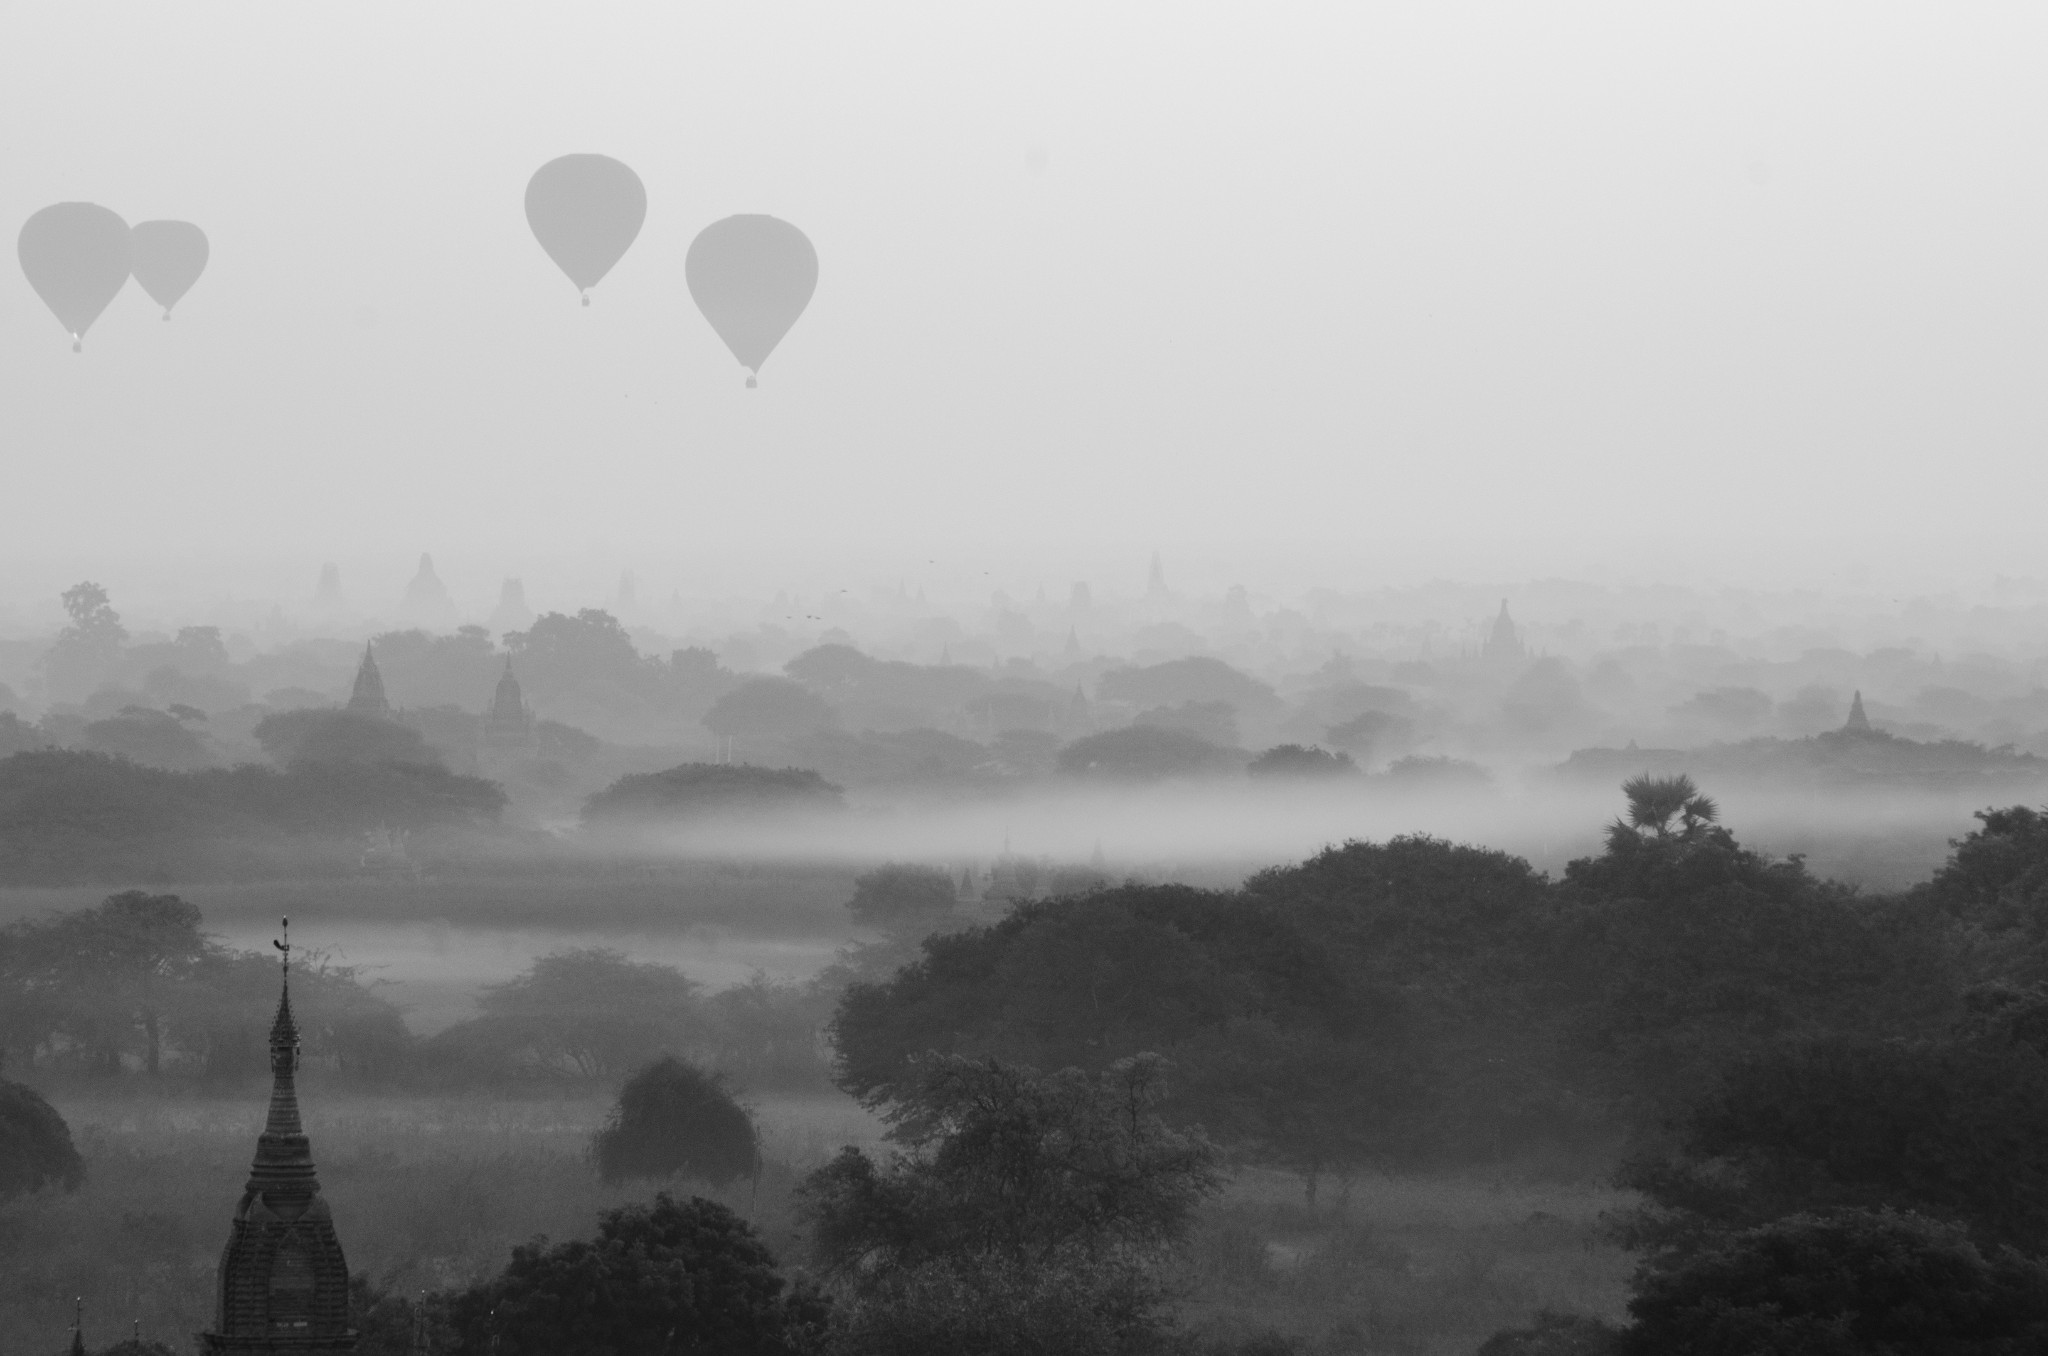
1475,288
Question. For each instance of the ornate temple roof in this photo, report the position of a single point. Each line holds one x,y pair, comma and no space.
283,1278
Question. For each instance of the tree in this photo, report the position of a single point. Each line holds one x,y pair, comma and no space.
769,711
1196,679
310,736
1005,1161
1555,1334
1997,876
592,1013
896,893
672,1277
674,1117
1143,753
1943,1127
1372,734
1653,802
1024,1218
561,653
1682,953
88,650
155,738
707,789
1843,1283
93,619
35,1144
1293,761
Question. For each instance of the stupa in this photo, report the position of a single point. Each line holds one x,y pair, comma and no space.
367,697
283,1279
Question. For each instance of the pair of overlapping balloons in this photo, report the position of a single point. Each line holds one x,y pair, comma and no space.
78,256
751,275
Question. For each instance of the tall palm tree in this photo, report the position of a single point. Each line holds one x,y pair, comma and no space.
1653,802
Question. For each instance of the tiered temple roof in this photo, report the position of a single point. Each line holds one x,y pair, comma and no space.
283,1278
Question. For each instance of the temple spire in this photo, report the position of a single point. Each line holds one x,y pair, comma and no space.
367,697
283,1278
1858,723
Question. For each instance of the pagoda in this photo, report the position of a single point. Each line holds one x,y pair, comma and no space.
1504,642
283,1279
367,697
509,723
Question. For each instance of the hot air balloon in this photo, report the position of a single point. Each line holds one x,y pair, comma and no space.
751,276
168,258
585,210
76,257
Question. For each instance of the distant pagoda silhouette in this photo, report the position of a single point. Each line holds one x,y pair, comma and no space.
1504,643
367,697
283,1279
426,593
1858,723
508,724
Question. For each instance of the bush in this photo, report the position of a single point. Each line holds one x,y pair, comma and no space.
1144,753
1005,1307
1944,1128
1848,1283
895,893
315,736
1556,1335
1288,761
670,1277
35,1144
1009,1162
673,1117
695,789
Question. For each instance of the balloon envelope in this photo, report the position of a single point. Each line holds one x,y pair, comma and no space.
585,210
167,258
751,276
76,257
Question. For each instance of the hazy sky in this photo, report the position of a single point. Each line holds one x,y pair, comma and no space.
1471,288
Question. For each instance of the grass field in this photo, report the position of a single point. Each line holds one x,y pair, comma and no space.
434,1192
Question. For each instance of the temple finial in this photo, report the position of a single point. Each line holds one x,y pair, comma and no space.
285,947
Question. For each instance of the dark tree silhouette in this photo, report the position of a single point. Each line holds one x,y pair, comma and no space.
675,1118
897,893
35,1144
674,1277
1284,761
1010,1162
1847,1283
1554,1334
709,789
1144,753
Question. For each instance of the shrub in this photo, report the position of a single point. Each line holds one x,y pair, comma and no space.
673,1117
1286,761
1556,1335
35,1144
695,789
667,1277
1069,1306
1846,1283
896,893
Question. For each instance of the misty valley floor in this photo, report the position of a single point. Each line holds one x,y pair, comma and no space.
429,1193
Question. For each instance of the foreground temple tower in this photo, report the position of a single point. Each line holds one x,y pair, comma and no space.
283,1279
